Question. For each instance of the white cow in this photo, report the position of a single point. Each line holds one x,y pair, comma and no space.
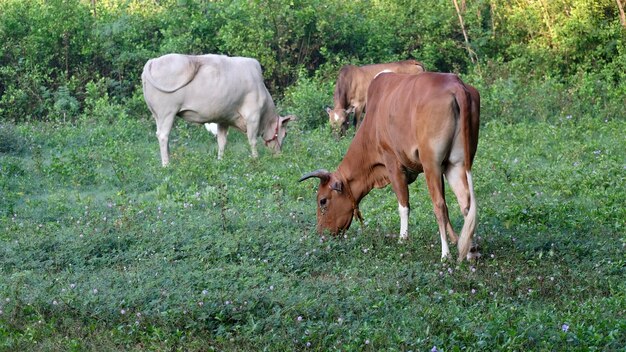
225,90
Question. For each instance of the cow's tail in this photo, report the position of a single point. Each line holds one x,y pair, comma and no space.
469,226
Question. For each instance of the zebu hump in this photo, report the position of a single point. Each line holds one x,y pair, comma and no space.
170,72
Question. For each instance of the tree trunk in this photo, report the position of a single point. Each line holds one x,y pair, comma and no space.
470,52
93,4
622,16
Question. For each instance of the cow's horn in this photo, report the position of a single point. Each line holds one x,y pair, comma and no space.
322,174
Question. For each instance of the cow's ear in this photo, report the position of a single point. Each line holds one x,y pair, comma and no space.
284,120
350,111
328,109
337,186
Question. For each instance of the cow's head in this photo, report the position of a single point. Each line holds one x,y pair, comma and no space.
338,119
335,203
277,132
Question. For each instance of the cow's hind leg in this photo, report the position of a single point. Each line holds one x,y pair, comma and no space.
222,132
451,234
455,174
434,181
164,124
358,116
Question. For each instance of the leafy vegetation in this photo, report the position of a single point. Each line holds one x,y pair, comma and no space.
103,249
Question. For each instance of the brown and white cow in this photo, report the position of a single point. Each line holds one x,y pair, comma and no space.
351,90
416,123
225,90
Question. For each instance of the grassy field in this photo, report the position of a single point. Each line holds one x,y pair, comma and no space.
103,249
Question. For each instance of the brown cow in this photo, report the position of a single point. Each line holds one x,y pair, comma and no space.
351,90
416,123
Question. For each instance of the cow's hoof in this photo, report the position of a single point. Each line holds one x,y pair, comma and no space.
473,255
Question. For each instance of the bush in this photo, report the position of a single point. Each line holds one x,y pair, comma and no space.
11,141
307,100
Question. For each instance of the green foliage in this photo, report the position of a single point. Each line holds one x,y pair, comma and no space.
307,100
47,46
11,141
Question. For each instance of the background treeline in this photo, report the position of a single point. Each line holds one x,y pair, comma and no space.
68,59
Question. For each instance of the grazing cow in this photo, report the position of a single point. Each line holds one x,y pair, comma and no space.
351,90
225,90
416,123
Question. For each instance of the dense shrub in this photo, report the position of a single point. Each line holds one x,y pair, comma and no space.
307,99
51,50
11,140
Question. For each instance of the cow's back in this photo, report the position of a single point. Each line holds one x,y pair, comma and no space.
220,90
354,81
400,104
406,66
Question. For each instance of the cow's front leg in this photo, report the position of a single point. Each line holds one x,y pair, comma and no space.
251,128
404,211
358,116
253,151
222,132
400,186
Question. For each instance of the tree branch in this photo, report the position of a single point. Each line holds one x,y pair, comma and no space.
622,16
471,53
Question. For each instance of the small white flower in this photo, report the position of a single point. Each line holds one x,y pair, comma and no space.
123,311
299,318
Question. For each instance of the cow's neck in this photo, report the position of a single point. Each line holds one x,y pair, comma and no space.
269,126
362,168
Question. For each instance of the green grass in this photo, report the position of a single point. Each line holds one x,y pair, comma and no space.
103,249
